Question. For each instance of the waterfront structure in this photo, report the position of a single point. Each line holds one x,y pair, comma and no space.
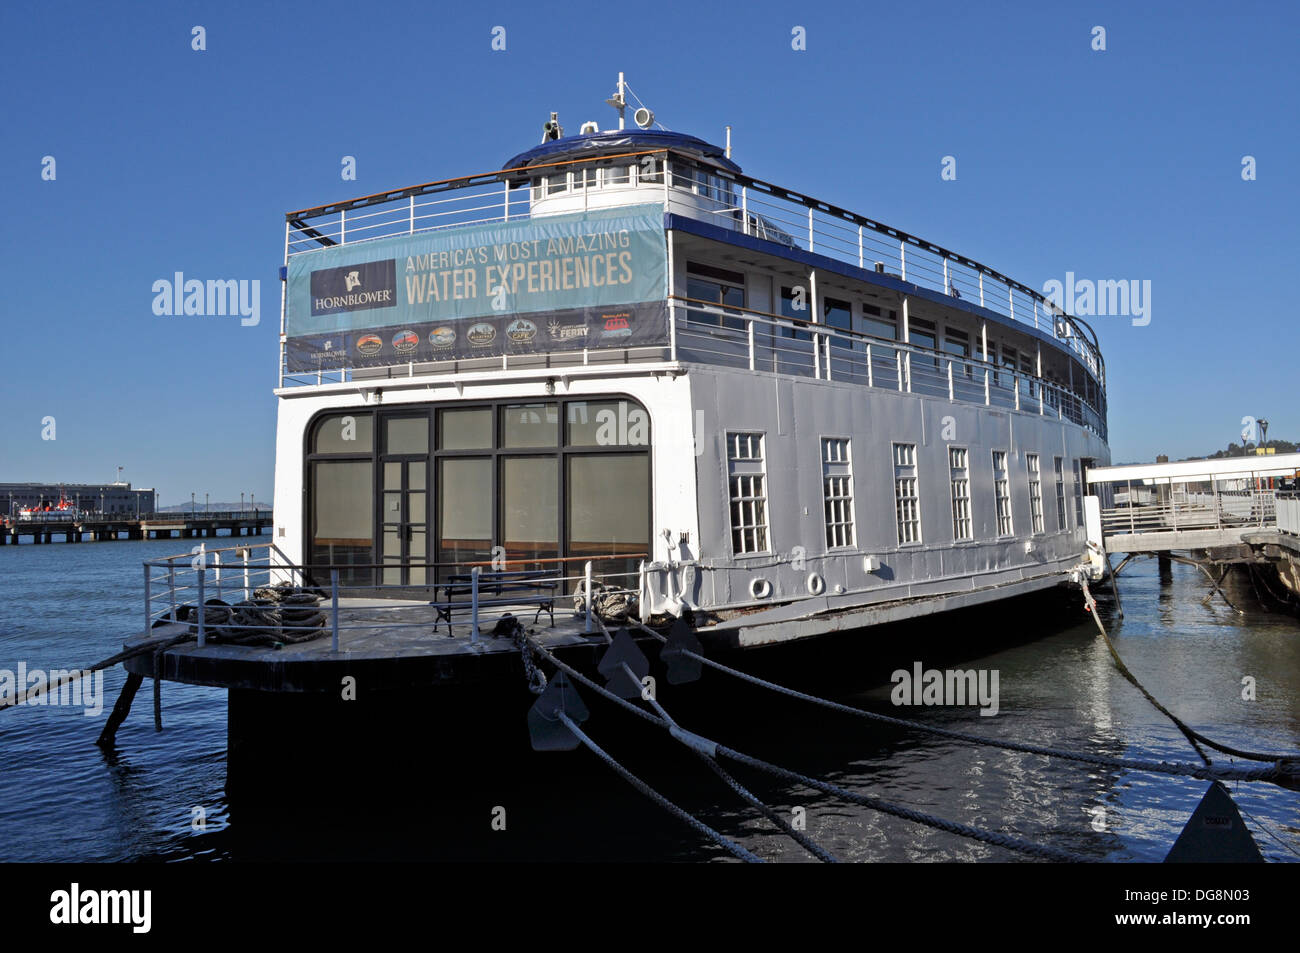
111,499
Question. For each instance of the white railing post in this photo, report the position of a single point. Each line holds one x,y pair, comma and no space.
412,226
810,230
343,227
1011,301
981,289
861,263
902,260
744,208
947,285
473,588
1035,314
203,573
334,607
642,609
898,365
750,327
586,602
216,558
907,368
171,584
951,393
507,200
148,598
986,386
870,381
1015,383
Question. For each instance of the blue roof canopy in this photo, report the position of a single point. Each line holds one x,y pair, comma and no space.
595,144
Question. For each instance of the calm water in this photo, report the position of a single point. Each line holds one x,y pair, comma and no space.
62,799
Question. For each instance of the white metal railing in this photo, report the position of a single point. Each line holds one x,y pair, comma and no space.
1288,512
1225,509
738,202
200,588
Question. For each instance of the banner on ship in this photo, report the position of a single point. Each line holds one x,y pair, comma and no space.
567,282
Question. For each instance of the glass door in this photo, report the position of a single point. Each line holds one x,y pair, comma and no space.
403,508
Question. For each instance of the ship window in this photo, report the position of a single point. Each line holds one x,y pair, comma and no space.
407,435
530,507
1059,469
606,423
616,175
469,429
649,169
747,492
838,314
555,183
879,323
1078,493
959,470
601,523
837,492
1035,492
1002,492
716,286
1009,361
530,425
907,501
344,433
342,516
584,178
794,304
957,342
922,334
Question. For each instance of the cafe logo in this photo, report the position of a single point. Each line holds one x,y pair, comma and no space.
406,341
481,334
442,337
521,330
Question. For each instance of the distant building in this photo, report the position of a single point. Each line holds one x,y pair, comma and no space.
109,498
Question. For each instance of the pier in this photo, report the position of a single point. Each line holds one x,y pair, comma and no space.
1229,513
104,528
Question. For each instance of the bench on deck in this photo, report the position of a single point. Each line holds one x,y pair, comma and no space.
496,589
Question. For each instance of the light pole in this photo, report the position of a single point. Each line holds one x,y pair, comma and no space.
205,504
241,504
193,506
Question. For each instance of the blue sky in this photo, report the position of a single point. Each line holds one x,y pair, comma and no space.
1122,164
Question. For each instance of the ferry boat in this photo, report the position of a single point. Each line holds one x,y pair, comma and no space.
620,376
728,396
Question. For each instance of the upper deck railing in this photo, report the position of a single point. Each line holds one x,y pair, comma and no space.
728,199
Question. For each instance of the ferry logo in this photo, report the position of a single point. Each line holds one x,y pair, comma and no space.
370,344
565,332
354,287
616,326
521,331
406,341
481,334
442,337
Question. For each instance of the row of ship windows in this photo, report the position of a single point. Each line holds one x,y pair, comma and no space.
649,170
748,493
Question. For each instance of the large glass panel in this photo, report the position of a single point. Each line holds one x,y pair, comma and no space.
530,519
794,304
469,429
530,425
407,435
344,433
342,530
609,510
464,511
607,423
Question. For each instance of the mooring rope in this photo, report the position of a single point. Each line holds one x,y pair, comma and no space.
1203,772
876,804
685,817
1191,733
807,843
